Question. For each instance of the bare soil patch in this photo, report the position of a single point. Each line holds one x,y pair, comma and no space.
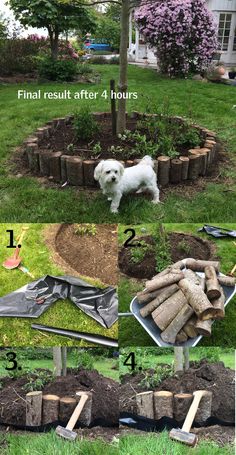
181,246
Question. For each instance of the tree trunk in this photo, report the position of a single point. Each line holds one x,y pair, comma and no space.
182,402
64,360
57,360
178,364
54,42
197,299
67,407
123,80
186,358
50,408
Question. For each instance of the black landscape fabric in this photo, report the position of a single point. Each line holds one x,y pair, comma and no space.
34,299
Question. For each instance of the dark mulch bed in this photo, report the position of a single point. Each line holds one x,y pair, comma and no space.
206,376
65,135
105,403
94,256
181,246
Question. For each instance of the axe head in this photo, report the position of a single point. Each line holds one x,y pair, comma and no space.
66,434
183,436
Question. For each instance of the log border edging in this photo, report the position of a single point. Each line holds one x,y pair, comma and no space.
62,168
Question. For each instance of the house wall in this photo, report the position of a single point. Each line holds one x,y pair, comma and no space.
221,5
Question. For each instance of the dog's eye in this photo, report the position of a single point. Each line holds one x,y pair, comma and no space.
108,172
115,172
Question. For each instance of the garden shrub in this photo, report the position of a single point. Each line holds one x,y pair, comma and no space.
17,56
85,360
85,124
98,60
114,60
183,34
57,70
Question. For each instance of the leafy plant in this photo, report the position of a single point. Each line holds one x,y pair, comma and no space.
38,383
85,360
59,70
70,149
163,253
85,125
153,379
138,253
85,229
184,246
97,149
115,150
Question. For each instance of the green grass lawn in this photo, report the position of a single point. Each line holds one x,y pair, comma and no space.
63,313
51,444
25,199
161,444
131,332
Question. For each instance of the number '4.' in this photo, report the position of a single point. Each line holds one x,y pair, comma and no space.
132,363
104,94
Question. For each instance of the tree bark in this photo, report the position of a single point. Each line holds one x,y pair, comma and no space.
204,327
64,360
199,265
178,362
163,404
197,298
168,310
181,337
67,406
212,284
50,408
204,409
227,280
163,281
185,165
192,276
145,406
170,333
219,305
182,402
165,294
123,81
190,327
34,409
186,358
57,362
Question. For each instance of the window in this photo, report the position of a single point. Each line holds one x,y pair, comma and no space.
224,31
234,45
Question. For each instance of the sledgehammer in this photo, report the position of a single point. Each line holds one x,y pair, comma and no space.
184,435
68,433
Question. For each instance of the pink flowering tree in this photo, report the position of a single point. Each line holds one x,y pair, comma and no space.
182,32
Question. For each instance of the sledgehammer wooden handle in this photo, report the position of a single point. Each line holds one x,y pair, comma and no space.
193,410
77,412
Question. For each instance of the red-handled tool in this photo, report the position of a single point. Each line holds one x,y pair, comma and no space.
14,261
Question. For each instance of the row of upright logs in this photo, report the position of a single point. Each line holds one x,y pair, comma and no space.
155,405
182,304
44,409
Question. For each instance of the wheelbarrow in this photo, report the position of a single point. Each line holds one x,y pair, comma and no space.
155,333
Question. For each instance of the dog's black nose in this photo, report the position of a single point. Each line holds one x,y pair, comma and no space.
113,179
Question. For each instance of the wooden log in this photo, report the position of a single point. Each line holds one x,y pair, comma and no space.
181,337
204,409
212,284
203,161
170,333
165,294
165,313
197,299
55,166
34,409
66,408
163,281
190,327
219,305
145,406
85,417
74,169
181,405
146,297
199,265
88,166
194,167
169,269
33,159
50,408
227,280
44,162
163,404
203,283
175,171
163,170
211,145
192,276
204,327
185,166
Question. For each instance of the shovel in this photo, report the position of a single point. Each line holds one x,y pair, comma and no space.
14,261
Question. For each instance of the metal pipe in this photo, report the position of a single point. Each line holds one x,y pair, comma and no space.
92,338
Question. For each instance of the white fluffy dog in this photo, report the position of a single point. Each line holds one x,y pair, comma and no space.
115,180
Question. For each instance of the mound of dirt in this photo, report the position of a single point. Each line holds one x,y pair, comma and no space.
181,246
207,376
105,404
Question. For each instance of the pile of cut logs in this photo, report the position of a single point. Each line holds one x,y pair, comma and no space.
155,405
182,304
44,409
